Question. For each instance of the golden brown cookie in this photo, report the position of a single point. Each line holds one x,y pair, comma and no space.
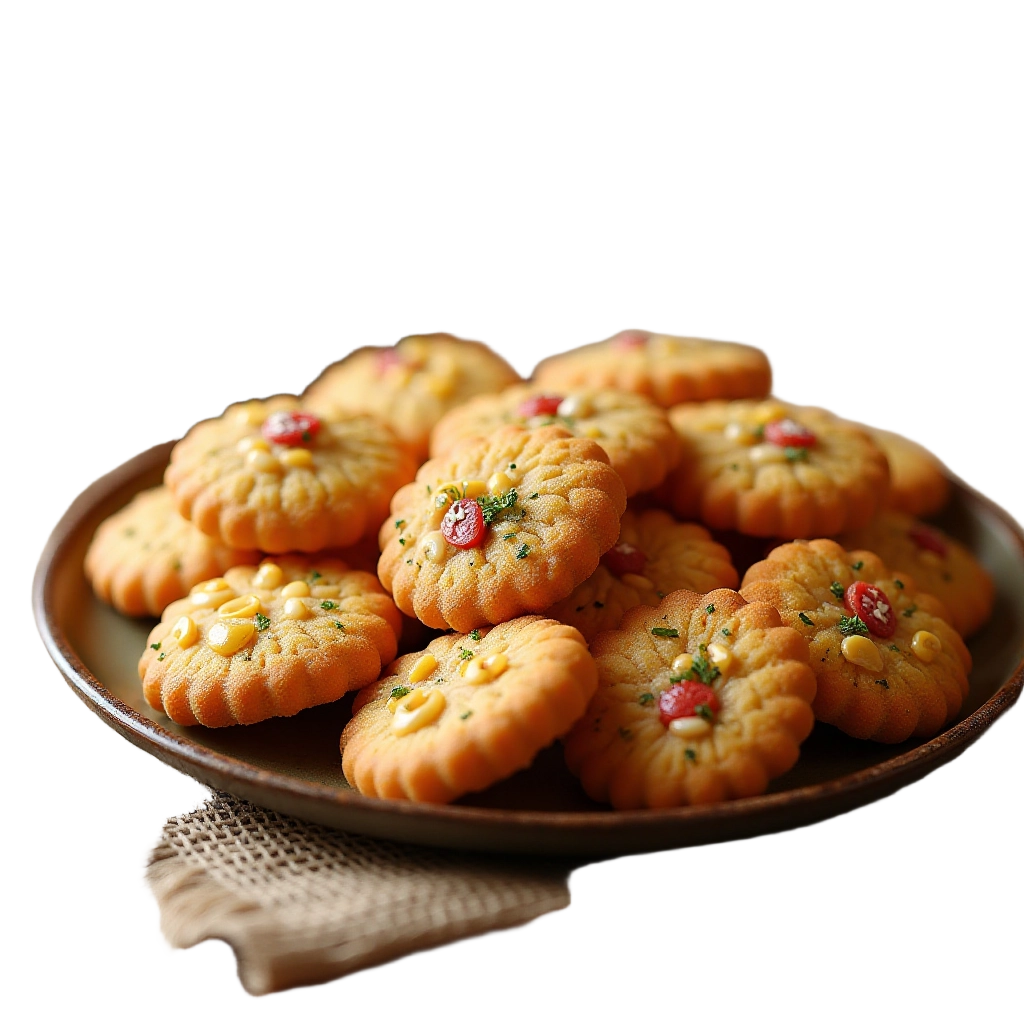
146,555
270,475
771,469
939,565
500,528
919,484
654,555
410,385
469,710
666,369
641,444
702,699
268,642
889,665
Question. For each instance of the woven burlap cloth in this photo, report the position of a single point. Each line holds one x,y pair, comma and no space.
302,903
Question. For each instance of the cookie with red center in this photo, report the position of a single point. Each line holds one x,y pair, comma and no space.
273,476
469,710
500,527
146,555
662,367
701,699
770,469
941,565
641,444
919,484
888,663
411,385
655,554
270,641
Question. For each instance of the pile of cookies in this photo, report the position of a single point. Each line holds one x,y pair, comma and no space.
560,560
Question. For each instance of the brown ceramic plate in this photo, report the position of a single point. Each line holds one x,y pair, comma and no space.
293,765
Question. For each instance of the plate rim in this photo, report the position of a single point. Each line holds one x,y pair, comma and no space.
185,754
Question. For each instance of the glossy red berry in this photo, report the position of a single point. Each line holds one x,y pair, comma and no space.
463,524
291,428
681,700
540,405
624,558
788,433
927,539
872,606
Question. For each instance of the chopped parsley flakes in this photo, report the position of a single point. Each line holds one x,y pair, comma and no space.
899,583
399,523
710,609
466,714
156,647
523,551
161,656
691,754
837,589
700,671
795,454
666,632
705,712
262,622
727,631
328,606
493,506
645,699
852,626
464,654
338,625
910,611
857,566
474,635
806,619
401,691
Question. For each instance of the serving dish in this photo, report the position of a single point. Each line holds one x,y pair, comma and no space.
293,765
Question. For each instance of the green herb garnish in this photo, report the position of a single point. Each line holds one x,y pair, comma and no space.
910,611
314,576
899,583
893,647
691,755
466,714
837,590
262,622
156,647
328,606
161,656
474,635
666,632
857,566
702,671
705,712
400,691
806,619
338,625
852,626
795,454
534,495
523,551
493,506
464,654
646,698
401,540
726,631
710,609
399,523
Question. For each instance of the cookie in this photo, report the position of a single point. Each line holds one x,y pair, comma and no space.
666,369
770,469
655,554
939,565
467,711
500,528
146,555
702,699
269,475
268,642
888,663
919,483
636,434
411,385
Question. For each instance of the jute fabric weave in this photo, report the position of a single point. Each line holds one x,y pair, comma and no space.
302,903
